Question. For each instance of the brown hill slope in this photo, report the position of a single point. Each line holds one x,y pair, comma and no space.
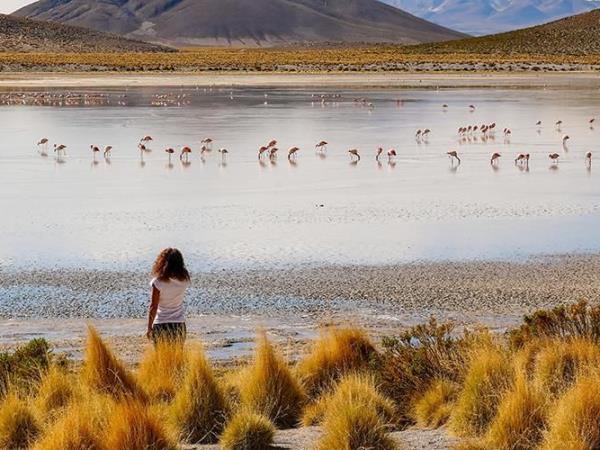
26,35
244,22
575,35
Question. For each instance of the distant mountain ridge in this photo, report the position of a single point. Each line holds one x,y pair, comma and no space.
481,17
243,22
25,35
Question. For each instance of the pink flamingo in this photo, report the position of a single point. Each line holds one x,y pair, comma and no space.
293,152
495,158
184,156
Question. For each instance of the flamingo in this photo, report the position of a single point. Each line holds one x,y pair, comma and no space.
565,138
472,108
95,149
321,146
146,139
143,149
495,158
354,152
426,132
262,151
591,121
44,144
588,158
379,152
108,151
453,155
418,134
520,158
273,153
554,157
208,142
558,124
224,152
292,152
538,123
60,149
273,143
507,132
184,156
204,150
391,154
169,151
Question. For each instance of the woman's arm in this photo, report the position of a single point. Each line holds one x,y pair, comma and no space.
152,311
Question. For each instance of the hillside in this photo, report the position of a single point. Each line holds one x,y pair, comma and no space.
576,35
244,22
484,17
25,35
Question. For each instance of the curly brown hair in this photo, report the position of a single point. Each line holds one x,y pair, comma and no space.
169,265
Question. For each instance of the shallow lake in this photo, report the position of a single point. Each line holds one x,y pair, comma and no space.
320,208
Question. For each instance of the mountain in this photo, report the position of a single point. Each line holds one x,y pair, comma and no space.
481,17
575,35
26,35
243,22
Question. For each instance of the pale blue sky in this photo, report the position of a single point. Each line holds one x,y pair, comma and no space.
8,6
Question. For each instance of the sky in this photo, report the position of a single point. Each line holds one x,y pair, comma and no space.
8,6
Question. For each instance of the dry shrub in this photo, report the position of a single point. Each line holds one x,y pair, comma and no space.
489,375
162,369
351,420
422,354
520,420
104,372
18,424
248,431
23,367
79,428
574,422
56,391
199,408
269,387
359,389
579,320
133,426
336,353
560,362
433,408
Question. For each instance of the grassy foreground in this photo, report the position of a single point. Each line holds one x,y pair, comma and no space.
290,59
537,387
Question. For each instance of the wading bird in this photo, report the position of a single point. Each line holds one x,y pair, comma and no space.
378,154
273,153
208,142
354,152
321,146
565,138
184,156
169,151
273,143
60,150
453,155
588,159
43,143
391,154
292,152
224,152
554,157
107,151
262,151
95,150
495,158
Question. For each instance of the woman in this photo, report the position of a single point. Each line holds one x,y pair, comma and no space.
166,318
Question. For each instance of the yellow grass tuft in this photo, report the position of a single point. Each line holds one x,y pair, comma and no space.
133,426
336,353
18,424
270,388
56,391
162,370
489,375
574,422
79,428
352,389
199,408
433,408
248,431
104,372
520,420
560,362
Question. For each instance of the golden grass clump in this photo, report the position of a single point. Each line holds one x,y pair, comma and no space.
433,408
56,391
133,426
358,388
270,388
520,420
574,422
560,362
76,429
18,425
489,375
162,370
199,409
338,351
248,431
104,372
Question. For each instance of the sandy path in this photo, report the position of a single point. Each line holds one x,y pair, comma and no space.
572,80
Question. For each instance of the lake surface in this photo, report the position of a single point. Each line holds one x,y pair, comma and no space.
317,209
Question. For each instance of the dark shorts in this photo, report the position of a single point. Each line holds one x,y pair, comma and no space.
169,332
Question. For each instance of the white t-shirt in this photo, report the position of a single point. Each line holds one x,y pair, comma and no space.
170,303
